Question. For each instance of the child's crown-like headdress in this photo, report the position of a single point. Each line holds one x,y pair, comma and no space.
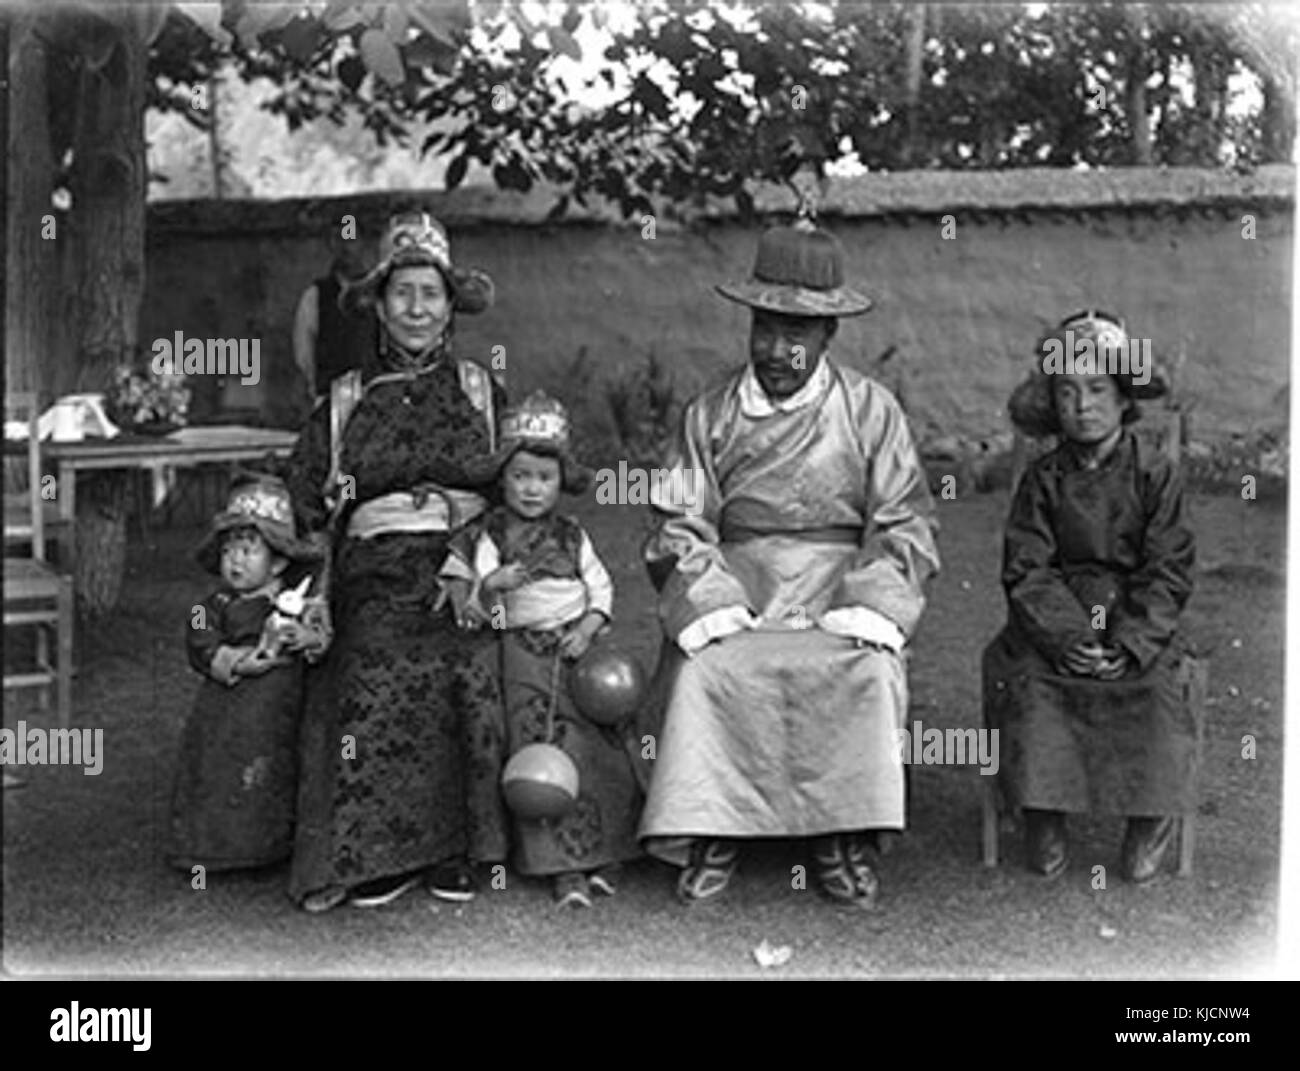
541,423
539,419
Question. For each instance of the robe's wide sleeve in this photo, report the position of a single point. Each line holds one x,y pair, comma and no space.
1040,601
206,643
1157,592
307,468
898,553
596,579
682,554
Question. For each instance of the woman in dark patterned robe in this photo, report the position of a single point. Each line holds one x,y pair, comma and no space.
1088,683
402,737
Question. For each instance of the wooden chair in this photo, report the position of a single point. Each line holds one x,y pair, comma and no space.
35,592
1165,425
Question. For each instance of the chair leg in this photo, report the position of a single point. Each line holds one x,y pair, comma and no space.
990,825
43,664
1194,696
67,618
1186,844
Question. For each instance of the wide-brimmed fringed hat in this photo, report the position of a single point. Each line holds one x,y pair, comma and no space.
540,425
260,501
1031,407
799,271
416,239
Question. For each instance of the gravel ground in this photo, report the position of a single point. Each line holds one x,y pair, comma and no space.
86,894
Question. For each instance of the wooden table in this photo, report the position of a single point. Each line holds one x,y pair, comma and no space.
159,455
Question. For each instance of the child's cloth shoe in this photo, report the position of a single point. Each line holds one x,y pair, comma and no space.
605,880
324,899
571,890
1046,840
1145,842
382,890
452,881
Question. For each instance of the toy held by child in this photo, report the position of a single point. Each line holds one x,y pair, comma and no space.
283,623
533,574
236,777
1086,681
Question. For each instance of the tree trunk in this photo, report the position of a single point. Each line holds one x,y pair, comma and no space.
4,167
108,202
76,274
1139,121
1139,69
36,320
1279,120
107,275
915,54
214,137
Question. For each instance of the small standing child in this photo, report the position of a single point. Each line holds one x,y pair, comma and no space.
533,573
1088,683
236,779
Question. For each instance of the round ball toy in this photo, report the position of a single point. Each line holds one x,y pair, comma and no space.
540,781
607,685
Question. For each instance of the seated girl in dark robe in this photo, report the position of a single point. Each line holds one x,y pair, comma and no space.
1086,682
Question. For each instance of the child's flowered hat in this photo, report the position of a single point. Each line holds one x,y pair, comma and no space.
1031,407
540,425
260,501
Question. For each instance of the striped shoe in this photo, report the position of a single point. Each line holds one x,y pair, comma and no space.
844,871
709,872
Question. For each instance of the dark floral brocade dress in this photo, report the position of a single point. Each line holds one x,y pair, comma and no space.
402,740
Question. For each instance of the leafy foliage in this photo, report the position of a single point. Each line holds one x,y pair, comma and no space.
708,98
645,405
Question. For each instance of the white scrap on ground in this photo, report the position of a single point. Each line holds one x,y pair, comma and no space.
768,955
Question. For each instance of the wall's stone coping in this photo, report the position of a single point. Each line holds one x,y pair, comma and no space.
902,194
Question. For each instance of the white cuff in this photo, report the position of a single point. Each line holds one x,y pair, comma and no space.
860,623
713,626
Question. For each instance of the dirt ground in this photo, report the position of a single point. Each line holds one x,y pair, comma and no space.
85,892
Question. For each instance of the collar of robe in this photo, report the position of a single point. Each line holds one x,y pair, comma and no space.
756,402
397,362
1083,461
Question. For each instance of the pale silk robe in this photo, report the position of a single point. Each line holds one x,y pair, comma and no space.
810,505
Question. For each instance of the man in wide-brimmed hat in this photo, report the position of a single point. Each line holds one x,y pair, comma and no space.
788,589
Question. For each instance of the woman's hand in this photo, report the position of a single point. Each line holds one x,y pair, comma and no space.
291,634
1115,663
576,642
309,640
1082,659
507,578
465,611
258,661
317,629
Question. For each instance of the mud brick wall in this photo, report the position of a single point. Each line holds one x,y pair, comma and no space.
962,315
